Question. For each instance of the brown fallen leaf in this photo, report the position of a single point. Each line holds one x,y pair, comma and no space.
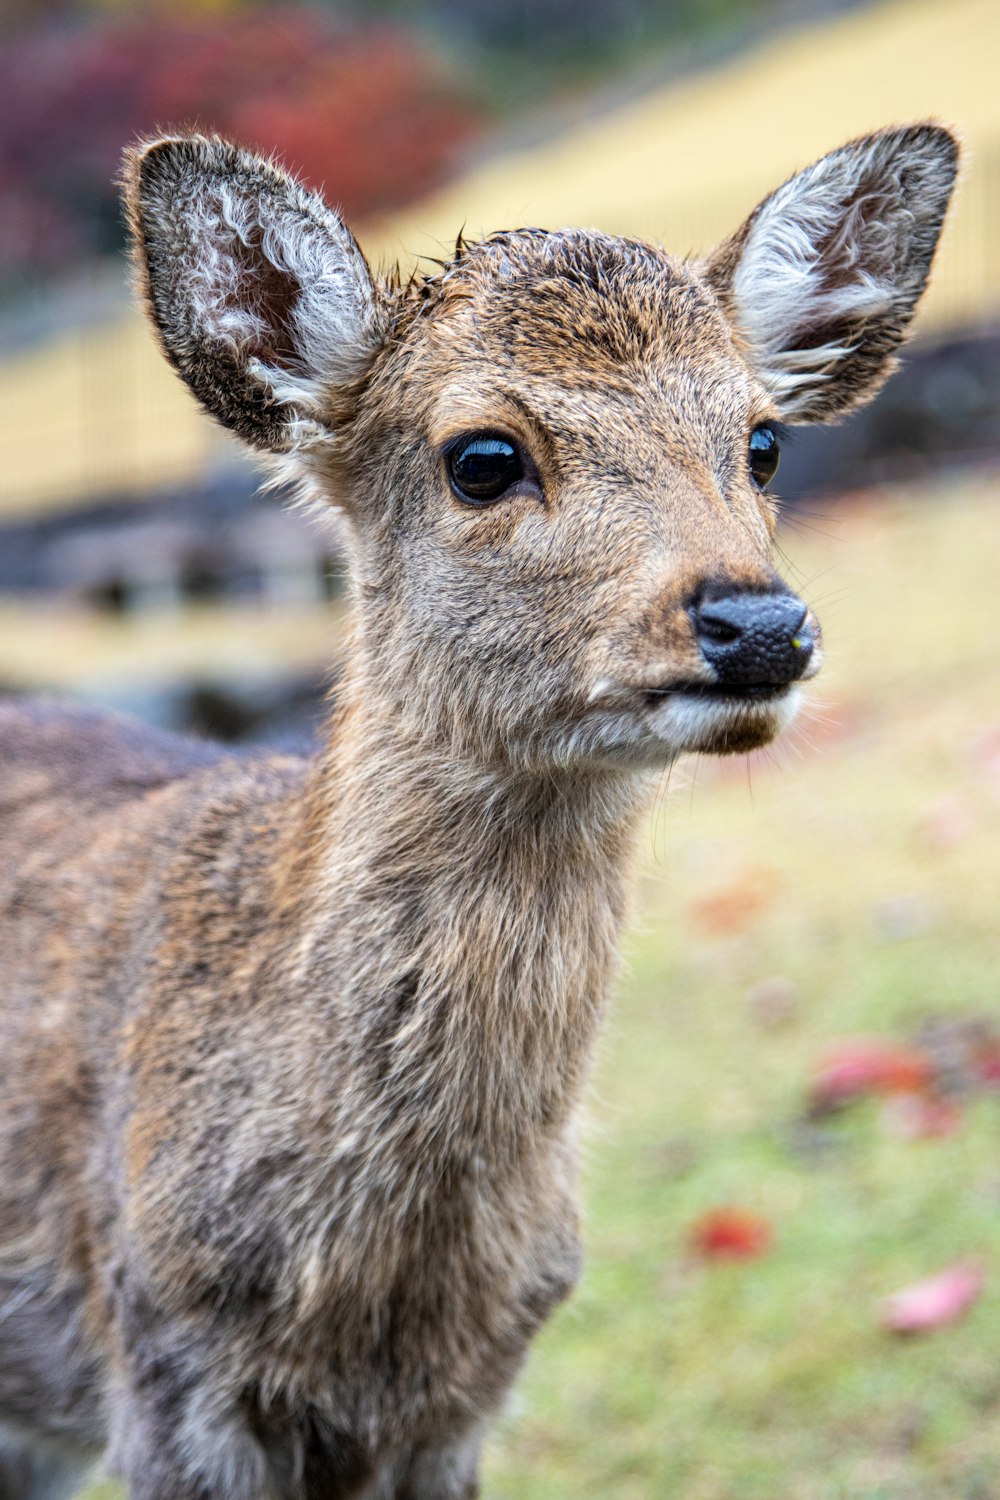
935,1302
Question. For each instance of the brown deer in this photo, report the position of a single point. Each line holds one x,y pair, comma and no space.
291,1051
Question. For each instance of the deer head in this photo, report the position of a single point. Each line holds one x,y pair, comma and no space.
552,456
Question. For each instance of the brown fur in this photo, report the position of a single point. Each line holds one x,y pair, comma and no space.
291,1052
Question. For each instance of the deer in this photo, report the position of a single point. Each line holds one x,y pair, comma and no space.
294,1048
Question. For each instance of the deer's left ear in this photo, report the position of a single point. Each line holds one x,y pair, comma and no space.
823,278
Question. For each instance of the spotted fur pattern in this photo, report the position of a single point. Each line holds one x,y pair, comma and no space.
292,1051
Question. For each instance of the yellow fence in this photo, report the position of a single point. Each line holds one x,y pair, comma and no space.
96,414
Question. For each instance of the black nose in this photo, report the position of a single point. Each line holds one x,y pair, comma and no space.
754,639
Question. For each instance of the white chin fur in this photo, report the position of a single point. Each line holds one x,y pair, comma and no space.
653,737
689,723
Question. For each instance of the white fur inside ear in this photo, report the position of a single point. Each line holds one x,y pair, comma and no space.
823,252
279,279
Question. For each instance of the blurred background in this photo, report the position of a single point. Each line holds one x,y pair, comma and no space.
796,1113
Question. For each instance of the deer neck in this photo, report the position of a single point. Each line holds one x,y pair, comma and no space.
457,926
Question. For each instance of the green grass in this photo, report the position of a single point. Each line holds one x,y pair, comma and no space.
878,845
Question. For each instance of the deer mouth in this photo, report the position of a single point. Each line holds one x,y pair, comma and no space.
721,718
719,692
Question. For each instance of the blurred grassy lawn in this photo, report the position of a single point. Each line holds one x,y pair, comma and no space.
876,831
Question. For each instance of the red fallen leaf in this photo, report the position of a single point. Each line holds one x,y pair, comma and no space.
867,1065
919,1117
936,1301
730,1234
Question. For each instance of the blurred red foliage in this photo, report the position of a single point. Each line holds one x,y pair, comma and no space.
364,112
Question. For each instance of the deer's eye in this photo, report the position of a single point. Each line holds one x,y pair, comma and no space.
483,467
765,450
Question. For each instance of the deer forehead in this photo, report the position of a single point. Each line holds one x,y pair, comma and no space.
599,345
591,302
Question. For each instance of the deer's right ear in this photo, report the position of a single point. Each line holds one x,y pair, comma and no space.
262,300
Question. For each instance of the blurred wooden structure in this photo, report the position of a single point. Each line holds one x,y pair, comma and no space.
96,414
